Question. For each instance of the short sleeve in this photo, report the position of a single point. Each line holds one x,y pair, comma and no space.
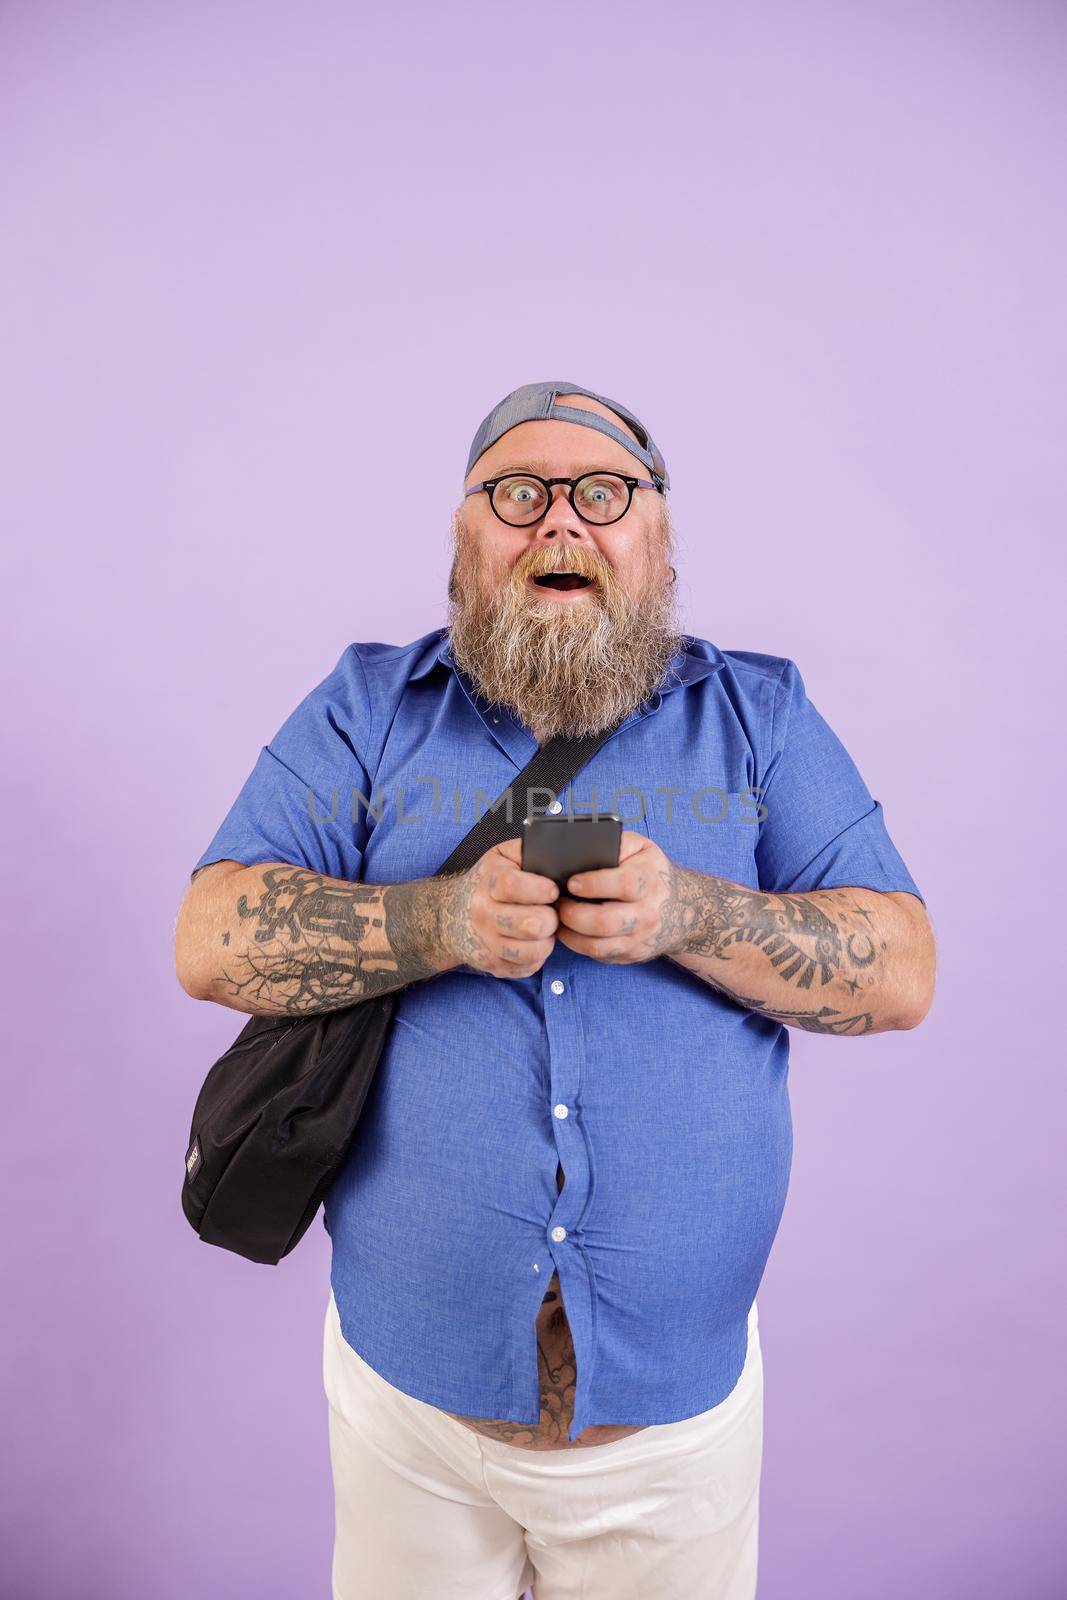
307,797
822,829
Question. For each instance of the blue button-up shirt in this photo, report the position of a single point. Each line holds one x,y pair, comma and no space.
665,1103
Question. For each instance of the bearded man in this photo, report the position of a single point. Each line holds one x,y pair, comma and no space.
541,1352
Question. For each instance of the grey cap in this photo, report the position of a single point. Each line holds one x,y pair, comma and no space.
536,402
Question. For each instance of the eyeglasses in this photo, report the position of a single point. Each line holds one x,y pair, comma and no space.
519,498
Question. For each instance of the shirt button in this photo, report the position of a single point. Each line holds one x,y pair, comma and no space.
560,1111
558,1234
557,985
555,808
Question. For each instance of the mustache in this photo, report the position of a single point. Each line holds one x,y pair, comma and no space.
542,559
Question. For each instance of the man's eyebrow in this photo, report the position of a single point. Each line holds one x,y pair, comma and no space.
540,469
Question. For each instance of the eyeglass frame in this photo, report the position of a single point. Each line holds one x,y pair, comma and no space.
489,486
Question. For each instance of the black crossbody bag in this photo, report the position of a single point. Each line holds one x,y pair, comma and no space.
277,1113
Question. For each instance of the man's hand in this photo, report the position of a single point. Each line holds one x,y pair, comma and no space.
497,918
637,921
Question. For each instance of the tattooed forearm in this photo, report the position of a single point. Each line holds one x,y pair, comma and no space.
299,942
825,1020
798,937
851,949
284,939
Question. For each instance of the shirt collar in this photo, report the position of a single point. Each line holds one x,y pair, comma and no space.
695,659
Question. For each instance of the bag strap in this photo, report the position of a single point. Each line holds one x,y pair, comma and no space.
552,768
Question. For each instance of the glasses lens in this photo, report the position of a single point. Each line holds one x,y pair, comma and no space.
601,497
520,500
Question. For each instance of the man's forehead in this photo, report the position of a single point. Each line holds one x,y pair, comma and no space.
553,448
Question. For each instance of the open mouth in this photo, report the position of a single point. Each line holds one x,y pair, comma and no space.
562,580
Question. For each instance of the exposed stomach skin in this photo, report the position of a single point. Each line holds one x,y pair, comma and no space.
558,1373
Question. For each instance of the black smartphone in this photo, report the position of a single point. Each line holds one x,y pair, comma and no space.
556,847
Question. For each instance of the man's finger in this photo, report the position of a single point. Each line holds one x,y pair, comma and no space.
523,956
630,843
512,886
607,883
525,921
613,920
606,950
509,884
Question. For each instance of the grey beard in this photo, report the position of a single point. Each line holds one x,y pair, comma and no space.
563,669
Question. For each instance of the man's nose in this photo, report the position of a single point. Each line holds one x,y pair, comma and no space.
561,520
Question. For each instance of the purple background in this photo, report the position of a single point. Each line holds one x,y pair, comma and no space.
265,268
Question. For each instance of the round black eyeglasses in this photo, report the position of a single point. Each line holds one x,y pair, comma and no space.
519,498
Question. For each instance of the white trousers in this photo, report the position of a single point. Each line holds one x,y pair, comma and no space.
428,1510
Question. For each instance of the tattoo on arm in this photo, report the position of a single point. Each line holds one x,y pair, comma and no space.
825,1020
808,940
456,891
314,944
800,940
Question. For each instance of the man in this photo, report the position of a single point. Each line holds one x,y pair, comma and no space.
541,1347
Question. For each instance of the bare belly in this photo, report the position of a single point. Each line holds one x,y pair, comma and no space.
558,1371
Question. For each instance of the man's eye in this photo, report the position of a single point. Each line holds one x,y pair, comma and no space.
523,494
600,493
